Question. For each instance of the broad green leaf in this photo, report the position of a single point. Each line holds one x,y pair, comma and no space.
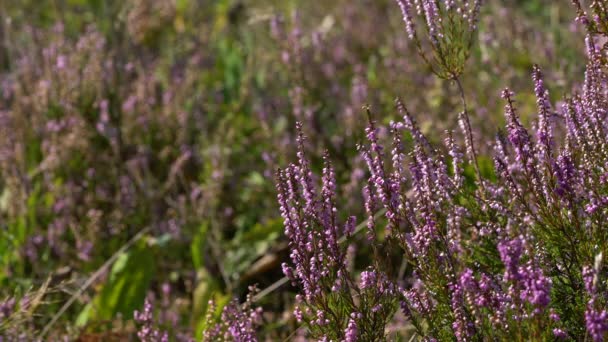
126,287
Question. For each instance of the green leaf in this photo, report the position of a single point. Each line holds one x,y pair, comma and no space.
126,287
197,247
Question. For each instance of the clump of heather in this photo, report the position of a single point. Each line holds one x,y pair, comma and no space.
596,19
333,304
449,28
508,254
596,316
238,322
147,331
444,32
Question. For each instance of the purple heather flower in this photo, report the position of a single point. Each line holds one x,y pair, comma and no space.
596,323
518,136
433,20
418,299
368,280
560,334
387,186
457,159
6,308
242,324
409,123
84,250
461,327
544,133
351,333
297,313
370,210
467,282
510,253
574,128
465,126
349,226
238,321
148,331
422,239
565,173
537,286
406,11
454,19
304,174
590,279
596,320
321,320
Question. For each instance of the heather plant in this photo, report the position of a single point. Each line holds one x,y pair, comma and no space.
333,304
448,28
511,255
147,331
451,28
596,20
233,321
237,322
